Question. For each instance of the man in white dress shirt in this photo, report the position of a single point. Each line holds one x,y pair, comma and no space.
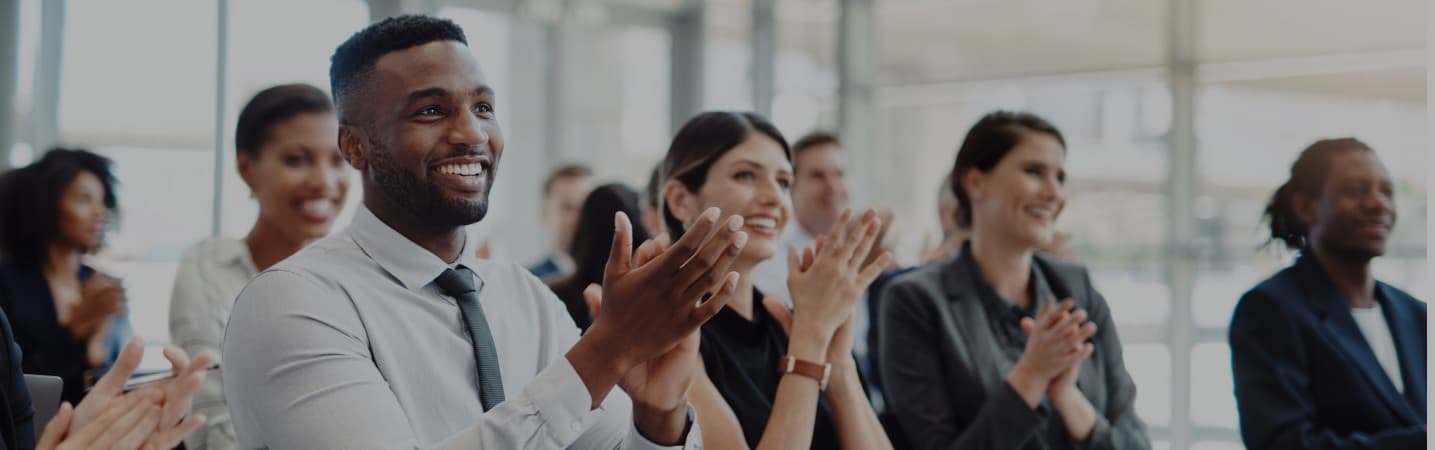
391,334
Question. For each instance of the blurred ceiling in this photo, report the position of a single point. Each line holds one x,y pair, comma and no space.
938,41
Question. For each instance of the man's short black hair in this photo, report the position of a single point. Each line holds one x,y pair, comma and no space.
355,58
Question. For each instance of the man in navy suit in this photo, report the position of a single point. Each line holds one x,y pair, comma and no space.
1325,356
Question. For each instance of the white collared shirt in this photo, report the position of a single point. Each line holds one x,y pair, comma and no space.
210,276
349,344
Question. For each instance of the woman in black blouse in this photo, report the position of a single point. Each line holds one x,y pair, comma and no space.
740,164
1002,348
68,317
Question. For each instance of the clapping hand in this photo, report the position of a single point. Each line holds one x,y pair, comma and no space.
827,280
100,298
1055,347
153,418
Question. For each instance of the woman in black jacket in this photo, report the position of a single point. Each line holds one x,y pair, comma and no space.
1002,348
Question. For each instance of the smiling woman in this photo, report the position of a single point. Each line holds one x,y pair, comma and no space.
975,346
288,157
764,368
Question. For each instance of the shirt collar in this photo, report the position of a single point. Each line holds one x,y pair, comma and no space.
236,251
1037,286
413,265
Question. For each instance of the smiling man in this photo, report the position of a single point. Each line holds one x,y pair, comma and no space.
392,334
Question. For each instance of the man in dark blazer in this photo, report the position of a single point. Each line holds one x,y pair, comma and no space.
1305,376
1325,356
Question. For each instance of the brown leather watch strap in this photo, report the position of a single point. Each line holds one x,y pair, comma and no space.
820,372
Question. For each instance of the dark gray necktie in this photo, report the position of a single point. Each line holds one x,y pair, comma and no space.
459,285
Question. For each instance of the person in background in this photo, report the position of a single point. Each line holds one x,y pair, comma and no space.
652,218
69,318
287,152
1003,347
1324,355
819,194
753,395
563,194
392,334
592,245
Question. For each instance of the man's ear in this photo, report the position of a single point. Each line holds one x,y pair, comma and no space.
354,145
246,161
1304,207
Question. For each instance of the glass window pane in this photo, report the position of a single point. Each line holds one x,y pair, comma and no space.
806,74
1235,30
1213,398
165,205
646,94
1220,286
727,58
615,116
1150,367
137,73
930,41
275,42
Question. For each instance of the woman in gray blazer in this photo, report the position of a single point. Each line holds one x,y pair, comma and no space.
1002,348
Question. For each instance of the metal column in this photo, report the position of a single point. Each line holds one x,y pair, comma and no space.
856,81
686,73
221,84
1183,185
764,55
45,98
9,71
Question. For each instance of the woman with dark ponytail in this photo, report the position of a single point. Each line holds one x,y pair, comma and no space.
1325,356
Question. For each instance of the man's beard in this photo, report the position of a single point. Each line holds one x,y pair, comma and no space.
422,198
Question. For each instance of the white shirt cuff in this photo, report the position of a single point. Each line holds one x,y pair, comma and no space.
562,402
693,441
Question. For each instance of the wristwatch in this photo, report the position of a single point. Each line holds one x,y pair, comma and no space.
820,372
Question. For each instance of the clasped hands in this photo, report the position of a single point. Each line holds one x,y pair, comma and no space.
1056,347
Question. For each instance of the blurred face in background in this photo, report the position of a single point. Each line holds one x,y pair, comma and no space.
1355,213
561,208
82,212
1019,199
819,190
750,180
299,176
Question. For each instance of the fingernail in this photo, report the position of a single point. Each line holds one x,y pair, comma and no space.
740,239
734,223
711,215
732,280
615,220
